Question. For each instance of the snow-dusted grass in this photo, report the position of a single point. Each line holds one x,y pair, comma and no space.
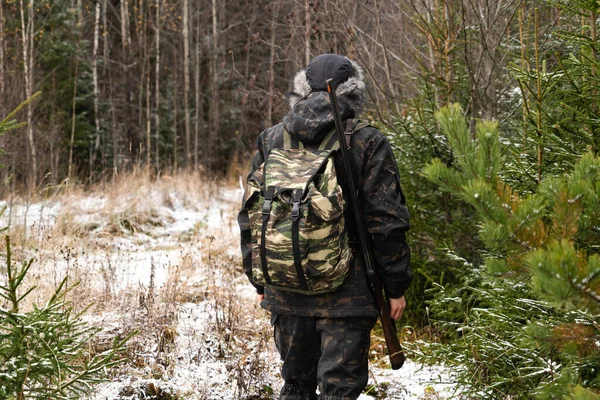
160,257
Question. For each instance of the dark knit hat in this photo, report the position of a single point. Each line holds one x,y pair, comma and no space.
328,66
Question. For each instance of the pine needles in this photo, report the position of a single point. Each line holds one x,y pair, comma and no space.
45,352
528,319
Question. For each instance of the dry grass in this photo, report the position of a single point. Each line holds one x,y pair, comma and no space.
127,251
117,244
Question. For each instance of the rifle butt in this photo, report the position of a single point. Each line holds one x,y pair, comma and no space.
392,343
397,360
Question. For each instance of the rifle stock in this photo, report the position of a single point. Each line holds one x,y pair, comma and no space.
383,306
392,343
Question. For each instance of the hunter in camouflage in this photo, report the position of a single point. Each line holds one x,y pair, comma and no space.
323,339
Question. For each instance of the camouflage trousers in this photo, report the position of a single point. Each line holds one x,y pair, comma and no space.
331,353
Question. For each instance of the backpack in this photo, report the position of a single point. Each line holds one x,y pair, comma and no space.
296,210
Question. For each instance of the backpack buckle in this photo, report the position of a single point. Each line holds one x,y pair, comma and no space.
296,211
348,133
266,209
296,205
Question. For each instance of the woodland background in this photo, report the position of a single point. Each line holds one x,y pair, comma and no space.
188,84
492,108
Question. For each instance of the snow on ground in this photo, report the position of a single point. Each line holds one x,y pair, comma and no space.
217,343
412,381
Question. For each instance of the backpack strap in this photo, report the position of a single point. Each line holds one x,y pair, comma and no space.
360,125
290,142
330,141
296,238
266,213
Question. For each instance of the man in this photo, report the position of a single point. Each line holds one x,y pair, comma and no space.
324,339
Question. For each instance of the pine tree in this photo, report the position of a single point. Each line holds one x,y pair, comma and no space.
45,352
527,322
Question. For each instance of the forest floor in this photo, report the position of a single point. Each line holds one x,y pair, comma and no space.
161,258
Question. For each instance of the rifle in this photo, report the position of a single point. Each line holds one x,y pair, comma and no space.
383,306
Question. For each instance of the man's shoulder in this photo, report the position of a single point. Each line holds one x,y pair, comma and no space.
365,130
272,132
270,137
367,136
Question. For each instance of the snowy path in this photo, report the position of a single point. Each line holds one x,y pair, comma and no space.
216,342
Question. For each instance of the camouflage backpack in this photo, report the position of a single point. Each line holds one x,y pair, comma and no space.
296,210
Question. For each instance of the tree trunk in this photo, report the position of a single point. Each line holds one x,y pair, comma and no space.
126,40
73,119
96,136
157,88
79,12
27,36
147,49
55,145
271,75
593,131
105,32
4,145
524,66
307,31
148,117
248,48
198,99
113,134
103,144
108,73
386,60
186,80
142,57
2,56
540,135
175,115
431,47
214,84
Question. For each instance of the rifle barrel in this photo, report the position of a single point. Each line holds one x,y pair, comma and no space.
395,353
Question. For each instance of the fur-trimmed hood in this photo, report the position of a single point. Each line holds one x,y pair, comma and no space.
310,117
353,90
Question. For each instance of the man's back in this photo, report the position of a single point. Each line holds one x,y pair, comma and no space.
304,324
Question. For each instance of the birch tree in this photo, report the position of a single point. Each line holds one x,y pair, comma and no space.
186,80
125,38
307,29
2,83
73,119
96,137
214,83
157,86
198,96
271,75
27,40
175,116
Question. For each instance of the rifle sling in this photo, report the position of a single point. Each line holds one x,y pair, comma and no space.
349,131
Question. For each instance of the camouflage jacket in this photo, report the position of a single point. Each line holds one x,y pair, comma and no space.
386,216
